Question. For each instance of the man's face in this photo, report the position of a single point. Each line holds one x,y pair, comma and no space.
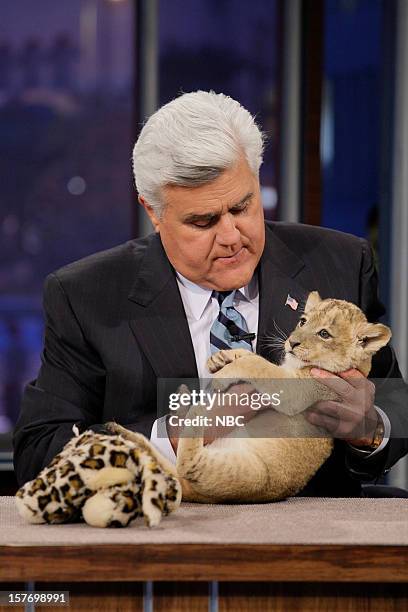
214,235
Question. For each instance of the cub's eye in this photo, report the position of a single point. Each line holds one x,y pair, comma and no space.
302,321
323,333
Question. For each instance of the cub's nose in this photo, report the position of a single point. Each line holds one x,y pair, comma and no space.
293,344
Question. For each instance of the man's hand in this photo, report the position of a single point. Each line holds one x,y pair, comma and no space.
211,433
353,418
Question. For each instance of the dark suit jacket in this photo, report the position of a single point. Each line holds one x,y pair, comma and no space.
115,323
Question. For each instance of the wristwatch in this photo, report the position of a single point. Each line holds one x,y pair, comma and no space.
361,447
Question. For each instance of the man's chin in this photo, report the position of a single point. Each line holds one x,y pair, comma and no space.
231,280
233,277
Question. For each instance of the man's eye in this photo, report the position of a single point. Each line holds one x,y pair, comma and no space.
203,224
302,321
236,211
323,333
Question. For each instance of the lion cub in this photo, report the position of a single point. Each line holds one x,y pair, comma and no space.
331,334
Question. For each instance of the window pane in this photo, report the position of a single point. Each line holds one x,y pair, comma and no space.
232,48
351,115
66,76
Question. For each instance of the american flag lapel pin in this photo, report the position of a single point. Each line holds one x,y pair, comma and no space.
290,301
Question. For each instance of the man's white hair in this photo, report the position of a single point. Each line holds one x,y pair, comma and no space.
190,141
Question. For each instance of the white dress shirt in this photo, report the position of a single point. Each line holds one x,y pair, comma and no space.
202,309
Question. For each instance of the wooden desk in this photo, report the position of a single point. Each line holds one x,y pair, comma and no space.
251,575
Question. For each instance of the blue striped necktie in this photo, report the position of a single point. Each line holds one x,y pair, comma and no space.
229,326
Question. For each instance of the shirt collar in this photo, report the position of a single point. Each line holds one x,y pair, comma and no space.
195,298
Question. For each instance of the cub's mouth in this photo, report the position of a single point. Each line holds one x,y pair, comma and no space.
292,352
291,357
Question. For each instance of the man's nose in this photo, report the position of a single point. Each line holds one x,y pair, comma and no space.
293,344
227,232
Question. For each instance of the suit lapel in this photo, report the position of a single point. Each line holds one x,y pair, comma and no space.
279,277
158,320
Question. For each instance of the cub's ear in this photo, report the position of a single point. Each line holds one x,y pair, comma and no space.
373,336
313,300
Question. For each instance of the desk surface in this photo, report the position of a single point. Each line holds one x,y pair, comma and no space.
298,539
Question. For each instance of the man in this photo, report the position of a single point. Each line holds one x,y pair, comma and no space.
119,320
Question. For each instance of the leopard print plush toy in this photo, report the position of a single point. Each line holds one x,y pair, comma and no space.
105,479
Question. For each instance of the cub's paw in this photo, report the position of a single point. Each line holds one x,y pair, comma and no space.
184,390
222,358
112,427
115,428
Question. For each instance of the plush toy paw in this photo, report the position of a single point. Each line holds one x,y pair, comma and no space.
108,508
105,479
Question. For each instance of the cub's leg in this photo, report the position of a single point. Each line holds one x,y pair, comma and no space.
247,369
220,359
132,436
205,478
221,471
215,475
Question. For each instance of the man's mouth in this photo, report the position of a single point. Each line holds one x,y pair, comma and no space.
234,257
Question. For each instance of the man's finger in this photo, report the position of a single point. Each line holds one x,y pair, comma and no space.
336,410
335,427
354,378
328,423
329,379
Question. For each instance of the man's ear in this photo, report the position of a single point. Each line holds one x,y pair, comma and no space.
151,214
373,336
313,300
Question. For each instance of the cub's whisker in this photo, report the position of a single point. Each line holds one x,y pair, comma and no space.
280,331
